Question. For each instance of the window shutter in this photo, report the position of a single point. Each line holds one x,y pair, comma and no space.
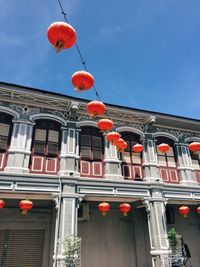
97,168
171,162
197,173
162,161
86,146
4,131
85,167
170,152
126,170
164,175
3,143
53,136
126,157
39,147
52,148
136,158
173,176
85,153
39,142
23,248
53,140
86,140
137,172
96,142
97,154
40,135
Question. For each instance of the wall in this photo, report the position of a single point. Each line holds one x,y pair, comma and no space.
114,240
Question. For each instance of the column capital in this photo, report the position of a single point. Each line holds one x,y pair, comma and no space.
22,121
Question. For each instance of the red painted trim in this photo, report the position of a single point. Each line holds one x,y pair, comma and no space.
169,178
43,169
197,174
132,171
90,174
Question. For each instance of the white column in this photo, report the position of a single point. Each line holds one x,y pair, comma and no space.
150,164
112,163
67,222
69,157
20,147
159,244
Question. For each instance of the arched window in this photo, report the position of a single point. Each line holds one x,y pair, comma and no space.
46,147
195,157
5,137
91,152
131,162
168,161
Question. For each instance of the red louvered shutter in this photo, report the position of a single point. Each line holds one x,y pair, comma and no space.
97,169
126,170
173,175
85,168
164,174
197,173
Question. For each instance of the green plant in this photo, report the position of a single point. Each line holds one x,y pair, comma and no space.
72,249
171,234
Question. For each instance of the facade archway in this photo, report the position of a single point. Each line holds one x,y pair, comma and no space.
46,145
5,137
168,162
131,162
91,152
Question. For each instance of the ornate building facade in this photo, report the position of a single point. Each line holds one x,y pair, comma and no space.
52,153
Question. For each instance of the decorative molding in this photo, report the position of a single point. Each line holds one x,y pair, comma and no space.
12,94
147,206
177,133
117,122
63,115
138,126
120,114
24,110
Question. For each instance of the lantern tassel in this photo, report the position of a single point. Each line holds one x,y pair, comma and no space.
59,46
24,212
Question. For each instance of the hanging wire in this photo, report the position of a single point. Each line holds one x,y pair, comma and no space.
78,50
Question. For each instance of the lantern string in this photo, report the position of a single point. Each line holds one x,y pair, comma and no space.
78,50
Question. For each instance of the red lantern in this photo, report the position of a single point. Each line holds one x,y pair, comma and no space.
2,204
184,210
119,142
25,205
113,136
122,147
61,35
163,148
105,125
198,210
82,80
104,207
137,148
95,108
124,208
194,146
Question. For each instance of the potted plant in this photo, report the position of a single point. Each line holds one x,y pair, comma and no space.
172,236
72,246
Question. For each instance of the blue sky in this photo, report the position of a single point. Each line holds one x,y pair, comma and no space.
143,53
